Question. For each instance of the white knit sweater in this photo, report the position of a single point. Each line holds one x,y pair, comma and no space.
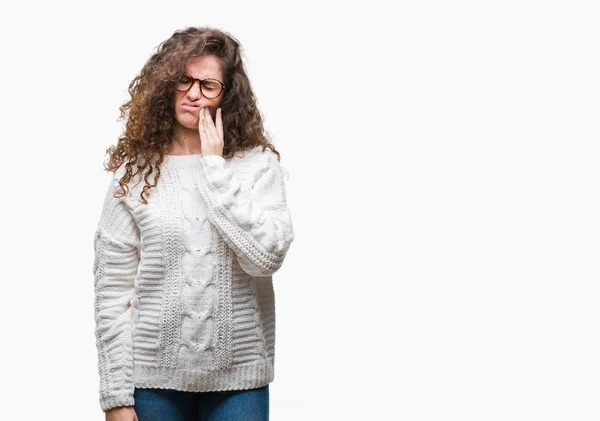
184,297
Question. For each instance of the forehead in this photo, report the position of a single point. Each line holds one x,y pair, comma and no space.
203,67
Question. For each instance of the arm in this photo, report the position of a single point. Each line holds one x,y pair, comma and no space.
116,261
255,222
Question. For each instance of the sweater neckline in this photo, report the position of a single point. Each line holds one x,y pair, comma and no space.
181,161
192,160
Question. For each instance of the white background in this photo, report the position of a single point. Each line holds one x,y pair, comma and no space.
444,168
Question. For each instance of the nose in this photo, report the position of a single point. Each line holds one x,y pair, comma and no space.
193,92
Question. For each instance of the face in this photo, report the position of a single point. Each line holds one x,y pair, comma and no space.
187,104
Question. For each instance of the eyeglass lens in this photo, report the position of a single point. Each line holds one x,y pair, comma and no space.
210,88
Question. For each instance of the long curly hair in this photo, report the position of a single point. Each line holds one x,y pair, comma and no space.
150,115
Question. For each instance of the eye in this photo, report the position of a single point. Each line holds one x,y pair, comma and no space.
211,86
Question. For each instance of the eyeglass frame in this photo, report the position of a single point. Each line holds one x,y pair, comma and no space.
200,82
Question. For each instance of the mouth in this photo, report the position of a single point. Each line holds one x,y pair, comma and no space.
192,106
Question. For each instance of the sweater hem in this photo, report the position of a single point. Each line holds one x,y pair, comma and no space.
239,377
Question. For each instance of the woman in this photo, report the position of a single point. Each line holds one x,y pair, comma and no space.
193,226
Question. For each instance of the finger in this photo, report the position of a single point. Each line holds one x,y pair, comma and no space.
220,123
208,117
211,128
202,126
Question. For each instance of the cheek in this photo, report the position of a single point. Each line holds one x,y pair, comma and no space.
174,107
178,112
213,105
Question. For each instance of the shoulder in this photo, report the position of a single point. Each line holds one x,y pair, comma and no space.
118,174
132,184
255,160
256,153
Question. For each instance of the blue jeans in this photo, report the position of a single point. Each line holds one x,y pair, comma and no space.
175,405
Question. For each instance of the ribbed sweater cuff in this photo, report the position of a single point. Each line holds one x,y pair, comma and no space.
109,402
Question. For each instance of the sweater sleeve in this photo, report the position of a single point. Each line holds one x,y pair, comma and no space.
254,221
116,261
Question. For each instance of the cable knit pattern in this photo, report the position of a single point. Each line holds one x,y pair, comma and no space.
184,296
254,222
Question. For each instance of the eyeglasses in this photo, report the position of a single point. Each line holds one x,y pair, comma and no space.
210,88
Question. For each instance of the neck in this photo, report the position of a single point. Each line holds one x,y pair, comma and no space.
185,141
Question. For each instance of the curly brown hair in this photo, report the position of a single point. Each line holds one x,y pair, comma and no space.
150,115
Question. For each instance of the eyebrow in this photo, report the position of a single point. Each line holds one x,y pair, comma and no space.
208,77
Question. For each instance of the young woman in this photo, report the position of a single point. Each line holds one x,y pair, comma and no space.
194,224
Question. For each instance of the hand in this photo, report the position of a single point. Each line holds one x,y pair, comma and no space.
121,413
211,135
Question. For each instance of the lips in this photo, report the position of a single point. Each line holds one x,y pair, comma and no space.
189,105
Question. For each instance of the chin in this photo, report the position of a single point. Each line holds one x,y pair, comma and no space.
188,122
